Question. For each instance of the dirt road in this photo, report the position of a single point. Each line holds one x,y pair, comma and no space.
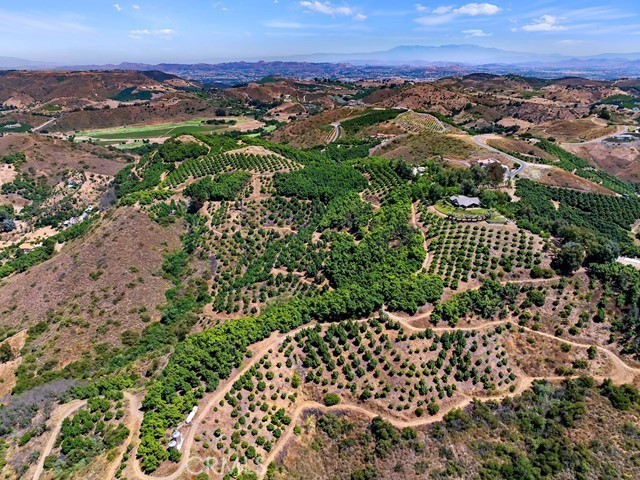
621,373
58,416
620,130
134,422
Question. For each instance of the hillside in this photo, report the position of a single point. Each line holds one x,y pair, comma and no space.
82,304
25,88
365,273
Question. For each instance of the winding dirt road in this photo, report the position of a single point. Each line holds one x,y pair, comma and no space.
133,424
225,386
59,415
65,411
622,373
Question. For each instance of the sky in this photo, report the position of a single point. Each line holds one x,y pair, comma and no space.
188,31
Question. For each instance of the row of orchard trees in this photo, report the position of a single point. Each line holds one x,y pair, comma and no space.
378,270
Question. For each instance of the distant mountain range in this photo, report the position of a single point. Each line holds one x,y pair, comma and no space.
429,55
437,60
8,63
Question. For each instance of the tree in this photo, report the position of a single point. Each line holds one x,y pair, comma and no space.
331,399
495,173
6,354
604,114
8,225
569,258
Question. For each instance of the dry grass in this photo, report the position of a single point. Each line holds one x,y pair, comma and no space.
50,157
622,160
540,356
94,289
313,130
556,177
314,455
519,146
583,129
418,148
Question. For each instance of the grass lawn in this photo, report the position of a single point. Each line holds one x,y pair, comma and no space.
446,208
195,125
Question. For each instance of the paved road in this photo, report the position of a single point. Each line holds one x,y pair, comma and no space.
481,141
337,132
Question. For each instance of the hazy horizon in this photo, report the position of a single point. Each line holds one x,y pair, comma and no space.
74,32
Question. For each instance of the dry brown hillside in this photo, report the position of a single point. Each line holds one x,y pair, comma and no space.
94,86
94,290
313,130
620,159
174,107
423,96
50,157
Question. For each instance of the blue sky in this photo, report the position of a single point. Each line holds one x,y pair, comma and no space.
97,31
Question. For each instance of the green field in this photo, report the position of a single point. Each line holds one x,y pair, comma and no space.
8,127
139,132
443,206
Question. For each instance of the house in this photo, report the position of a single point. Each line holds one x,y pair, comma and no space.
462,201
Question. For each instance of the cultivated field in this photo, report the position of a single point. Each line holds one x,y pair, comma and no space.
164,130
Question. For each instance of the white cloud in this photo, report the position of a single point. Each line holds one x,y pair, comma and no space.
446,14
435,19
166,33
442,10
476,33
546,23
326,8
117,7
474,9
420,7
571,42
135,6
221,6
19,23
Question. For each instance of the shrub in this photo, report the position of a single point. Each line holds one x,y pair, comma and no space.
331,399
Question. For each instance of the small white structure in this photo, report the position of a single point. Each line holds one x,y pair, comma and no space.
176,440
191,416
418,171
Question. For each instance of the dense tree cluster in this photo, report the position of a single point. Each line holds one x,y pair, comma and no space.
371,118
322,181
225,186
600,223
16,158
624,280
486,302
177,151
